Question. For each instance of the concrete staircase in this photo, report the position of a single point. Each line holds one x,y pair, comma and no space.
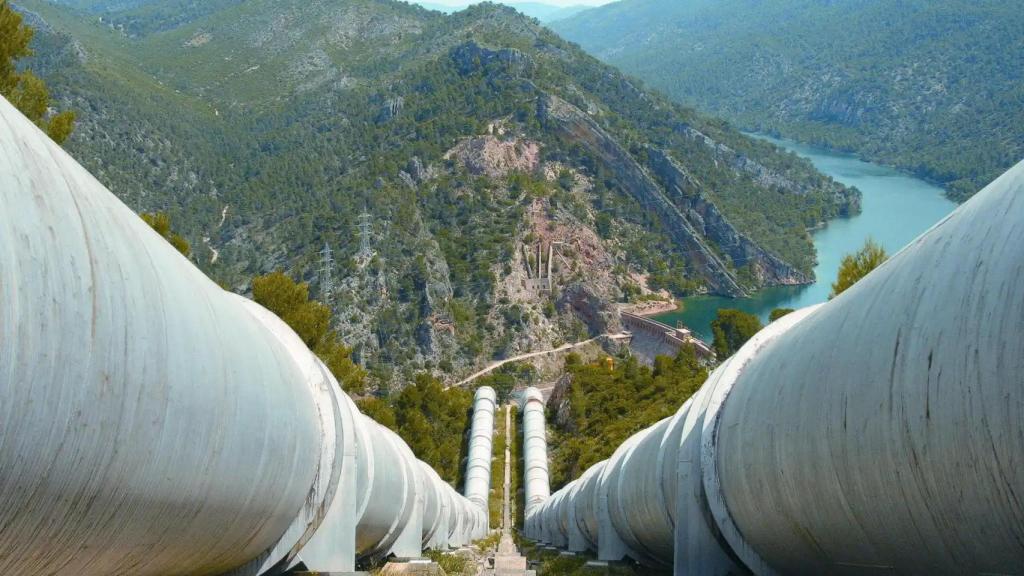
508,561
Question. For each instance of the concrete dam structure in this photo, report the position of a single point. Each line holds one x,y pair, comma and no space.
879,433
152,423
650,338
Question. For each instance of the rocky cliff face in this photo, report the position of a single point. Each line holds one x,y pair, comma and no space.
707,222
470,56
847,199
693,220
595,312
496,158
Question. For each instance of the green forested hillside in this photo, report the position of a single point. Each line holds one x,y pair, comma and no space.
465,145
599,406
540,10
932,86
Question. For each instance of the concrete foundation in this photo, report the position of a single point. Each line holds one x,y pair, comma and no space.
419,567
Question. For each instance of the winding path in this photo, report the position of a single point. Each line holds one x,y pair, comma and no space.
564,347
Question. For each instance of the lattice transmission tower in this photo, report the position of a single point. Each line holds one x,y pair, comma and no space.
365,226
327,275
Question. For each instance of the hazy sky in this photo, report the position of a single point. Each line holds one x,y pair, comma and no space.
514,2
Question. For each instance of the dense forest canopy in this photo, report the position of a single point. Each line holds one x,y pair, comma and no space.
604,403
22,88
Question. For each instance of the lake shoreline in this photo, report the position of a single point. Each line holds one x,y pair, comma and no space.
855,155
649,308
896,208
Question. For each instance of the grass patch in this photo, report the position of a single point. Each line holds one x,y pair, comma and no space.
497,495
489,542
516,455
452,564
552,563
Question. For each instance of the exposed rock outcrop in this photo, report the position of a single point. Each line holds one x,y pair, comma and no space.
594,311
391,108
848,199
558,402
692,224
419,172
709,222
495,158
470,57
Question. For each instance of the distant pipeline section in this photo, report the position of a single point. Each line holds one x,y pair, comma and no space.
537,486
481,449
152,423
880,433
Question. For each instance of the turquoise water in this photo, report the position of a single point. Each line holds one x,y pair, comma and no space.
896,209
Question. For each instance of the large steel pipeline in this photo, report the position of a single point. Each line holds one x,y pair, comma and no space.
535,450
153,423
481,440
880,433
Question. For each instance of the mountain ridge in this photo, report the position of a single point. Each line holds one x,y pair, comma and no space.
932,87
266,136
543,12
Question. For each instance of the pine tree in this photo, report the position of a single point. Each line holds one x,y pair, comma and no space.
732,329
162,224
24,89
311,321
858,265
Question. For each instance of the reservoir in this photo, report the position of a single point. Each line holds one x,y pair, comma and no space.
896,208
